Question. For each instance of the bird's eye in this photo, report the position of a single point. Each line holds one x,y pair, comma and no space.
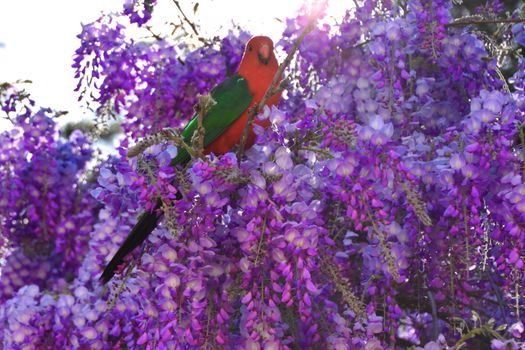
250,48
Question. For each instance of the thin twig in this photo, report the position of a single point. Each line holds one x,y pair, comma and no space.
273,88
320,151
167,134
478,331
460,23
205,102
200,132
192,25
435,330
342,286
417,203
392,266
156,36
261,241
522,140
120,289
497,292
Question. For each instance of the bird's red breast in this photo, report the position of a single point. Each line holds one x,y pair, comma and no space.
258,66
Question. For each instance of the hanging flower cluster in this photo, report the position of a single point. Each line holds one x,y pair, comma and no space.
47,212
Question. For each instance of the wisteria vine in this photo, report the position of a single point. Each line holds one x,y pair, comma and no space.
383,208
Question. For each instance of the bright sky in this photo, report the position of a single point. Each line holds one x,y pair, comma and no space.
38,37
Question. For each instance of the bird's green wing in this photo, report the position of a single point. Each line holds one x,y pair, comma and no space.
232,97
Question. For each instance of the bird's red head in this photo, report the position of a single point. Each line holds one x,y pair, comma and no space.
258,54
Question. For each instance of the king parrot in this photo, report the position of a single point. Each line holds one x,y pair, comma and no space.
224,123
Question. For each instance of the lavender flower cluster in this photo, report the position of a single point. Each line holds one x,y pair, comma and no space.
47,212
151,84
383,208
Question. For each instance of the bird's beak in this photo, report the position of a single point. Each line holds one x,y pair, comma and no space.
264,54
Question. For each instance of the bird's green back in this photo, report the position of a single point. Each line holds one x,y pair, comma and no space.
231,97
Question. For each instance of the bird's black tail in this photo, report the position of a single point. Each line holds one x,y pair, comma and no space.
142,229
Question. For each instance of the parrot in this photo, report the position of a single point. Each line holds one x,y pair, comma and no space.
224,123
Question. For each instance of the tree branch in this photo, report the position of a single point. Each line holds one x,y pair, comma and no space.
192,25
156,36
167,134
460,22
522,139
205,102
432,301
